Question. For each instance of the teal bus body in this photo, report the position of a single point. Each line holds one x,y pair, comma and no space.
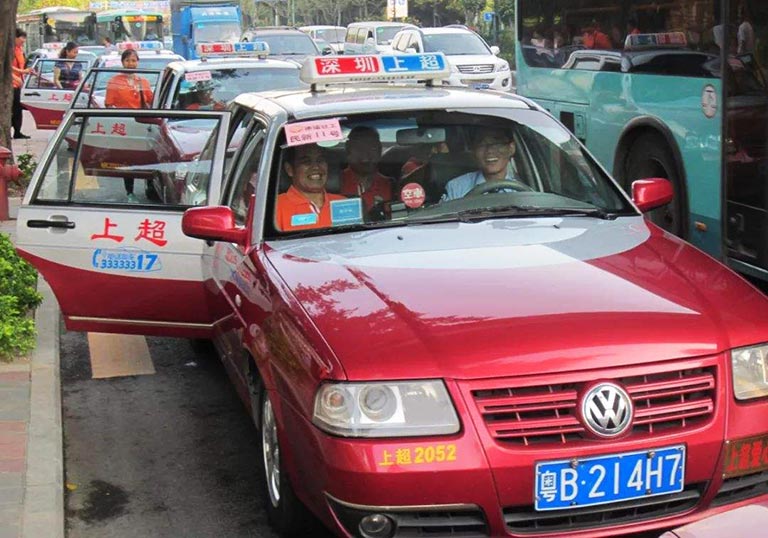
651,91
607,106
130,25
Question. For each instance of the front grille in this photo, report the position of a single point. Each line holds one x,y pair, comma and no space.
465,521
477,81
740,488
525,520
663,402
475,69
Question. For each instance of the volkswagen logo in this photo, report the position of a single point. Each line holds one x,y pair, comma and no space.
606,410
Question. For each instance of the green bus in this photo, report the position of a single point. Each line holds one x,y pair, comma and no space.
130,25
673,89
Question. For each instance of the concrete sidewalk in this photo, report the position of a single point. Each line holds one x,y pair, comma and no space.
31,456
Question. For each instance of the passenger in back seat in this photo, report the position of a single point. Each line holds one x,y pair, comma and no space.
362,178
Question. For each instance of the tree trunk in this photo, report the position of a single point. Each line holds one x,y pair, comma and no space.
7,42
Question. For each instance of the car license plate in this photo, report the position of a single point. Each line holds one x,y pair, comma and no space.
606,479
481,86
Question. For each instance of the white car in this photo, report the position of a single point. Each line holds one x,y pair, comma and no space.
473,63
332,35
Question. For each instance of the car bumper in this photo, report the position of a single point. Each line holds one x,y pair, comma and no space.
486,487
493,81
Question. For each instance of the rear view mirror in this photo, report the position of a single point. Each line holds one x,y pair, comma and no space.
651,193
420,135
213,223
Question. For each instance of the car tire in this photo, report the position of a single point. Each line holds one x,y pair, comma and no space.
286,513
650,156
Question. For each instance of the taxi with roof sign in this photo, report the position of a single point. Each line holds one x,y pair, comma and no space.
442,313
152,55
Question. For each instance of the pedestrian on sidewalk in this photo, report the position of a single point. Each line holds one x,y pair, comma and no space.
19,69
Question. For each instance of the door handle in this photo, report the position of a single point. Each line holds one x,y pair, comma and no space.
31,94
50,224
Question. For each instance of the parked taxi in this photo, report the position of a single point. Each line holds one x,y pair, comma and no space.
152,55
497,345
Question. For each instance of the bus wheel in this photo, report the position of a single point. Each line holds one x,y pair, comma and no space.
650,157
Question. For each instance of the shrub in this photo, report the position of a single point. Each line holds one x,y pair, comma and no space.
18,296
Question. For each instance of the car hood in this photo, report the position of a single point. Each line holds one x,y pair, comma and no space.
474,59
512,296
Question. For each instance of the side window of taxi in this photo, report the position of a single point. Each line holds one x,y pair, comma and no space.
245,177
125,160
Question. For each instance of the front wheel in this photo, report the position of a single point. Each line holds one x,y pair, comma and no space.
287,515
649,157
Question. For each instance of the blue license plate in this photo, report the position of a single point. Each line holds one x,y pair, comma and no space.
581,482
481,86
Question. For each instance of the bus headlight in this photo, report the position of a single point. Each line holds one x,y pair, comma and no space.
385,409
750,375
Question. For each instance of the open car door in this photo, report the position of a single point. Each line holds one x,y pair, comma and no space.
93,91
117,259
46,101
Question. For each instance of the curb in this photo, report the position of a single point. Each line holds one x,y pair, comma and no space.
43,513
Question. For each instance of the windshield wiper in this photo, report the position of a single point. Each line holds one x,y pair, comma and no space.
470,215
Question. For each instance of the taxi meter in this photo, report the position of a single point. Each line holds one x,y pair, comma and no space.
375,68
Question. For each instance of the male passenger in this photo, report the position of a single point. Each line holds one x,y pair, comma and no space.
362,178
306,204
492,149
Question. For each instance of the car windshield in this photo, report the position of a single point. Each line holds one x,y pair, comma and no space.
285,44
226,84
219,31
455,44
385,34
332,35
402,169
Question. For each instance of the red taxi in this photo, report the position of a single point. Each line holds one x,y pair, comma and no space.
494,343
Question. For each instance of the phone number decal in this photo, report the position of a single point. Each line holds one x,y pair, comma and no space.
418,455
130,261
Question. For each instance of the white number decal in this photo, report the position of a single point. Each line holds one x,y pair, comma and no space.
677,460
595,492
636,478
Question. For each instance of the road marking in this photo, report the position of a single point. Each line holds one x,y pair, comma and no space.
118,355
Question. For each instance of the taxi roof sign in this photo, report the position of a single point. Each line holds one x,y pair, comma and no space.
259,48
654,41
140,45
321,70
56,45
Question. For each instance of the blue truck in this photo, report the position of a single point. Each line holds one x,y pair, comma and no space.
196,21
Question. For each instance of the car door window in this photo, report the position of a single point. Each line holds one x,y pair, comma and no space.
44,74
243,183
120,159
241,119
99,83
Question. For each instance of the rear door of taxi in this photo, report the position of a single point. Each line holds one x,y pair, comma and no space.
44,100
119,263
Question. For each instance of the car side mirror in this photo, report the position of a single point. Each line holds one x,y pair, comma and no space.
495,50
213,223
651,193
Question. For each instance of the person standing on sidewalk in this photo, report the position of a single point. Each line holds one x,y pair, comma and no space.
18,71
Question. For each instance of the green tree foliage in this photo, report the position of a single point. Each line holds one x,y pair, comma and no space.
18,296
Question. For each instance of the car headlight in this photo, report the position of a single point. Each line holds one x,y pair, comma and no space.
385,409
750,375
503,66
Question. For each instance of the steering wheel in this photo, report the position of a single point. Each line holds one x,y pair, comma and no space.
495,186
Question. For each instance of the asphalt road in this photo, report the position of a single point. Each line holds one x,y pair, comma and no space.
172,454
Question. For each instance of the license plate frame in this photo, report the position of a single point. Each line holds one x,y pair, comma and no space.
606,466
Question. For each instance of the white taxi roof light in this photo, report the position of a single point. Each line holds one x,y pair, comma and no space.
654,41
140,45
427,67
249,48
53,46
